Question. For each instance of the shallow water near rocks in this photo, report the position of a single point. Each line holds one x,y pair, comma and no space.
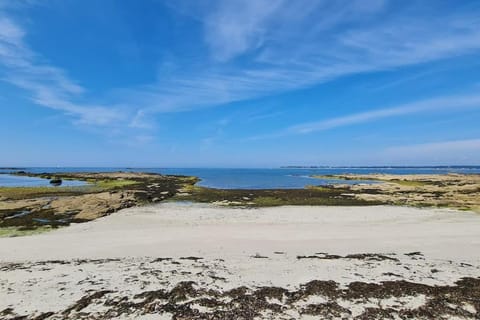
10,180
260,178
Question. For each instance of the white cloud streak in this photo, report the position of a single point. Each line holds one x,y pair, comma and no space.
238,26
261,48
48,86
443,104
436,105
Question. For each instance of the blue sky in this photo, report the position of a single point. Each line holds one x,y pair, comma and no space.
257,83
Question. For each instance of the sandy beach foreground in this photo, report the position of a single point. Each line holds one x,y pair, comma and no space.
198,261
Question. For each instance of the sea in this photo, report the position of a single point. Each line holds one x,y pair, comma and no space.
238,178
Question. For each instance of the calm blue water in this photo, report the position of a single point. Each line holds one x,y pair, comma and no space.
265,178
8,180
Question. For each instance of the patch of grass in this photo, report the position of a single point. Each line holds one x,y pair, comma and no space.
312,201
475,209
189,188
408,183
114,183
20,232
189,180
318,188
268,201
330,177
35,192
339,179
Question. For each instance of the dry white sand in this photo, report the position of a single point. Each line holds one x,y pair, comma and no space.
176,230
251,247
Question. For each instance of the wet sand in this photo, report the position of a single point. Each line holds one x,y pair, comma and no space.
194,261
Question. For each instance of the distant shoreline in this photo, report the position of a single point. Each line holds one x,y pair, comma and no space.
384,167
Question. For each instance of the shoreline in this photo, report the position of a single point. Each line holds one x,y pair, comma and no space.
197,261
24,210
29,210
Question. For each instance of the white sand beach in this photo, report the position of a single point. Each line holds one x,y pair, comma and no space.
157,247
176,230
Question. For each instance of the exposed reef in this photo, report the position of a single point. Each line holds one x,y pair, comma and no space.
23,209
458,191
272,197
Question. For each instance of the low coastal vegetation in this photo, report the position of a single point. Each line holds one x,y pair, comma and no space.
19,193
272,197
18,231
457,191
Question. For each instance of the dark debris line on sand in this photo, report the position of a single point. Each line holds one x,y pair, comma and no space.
187,301
358,256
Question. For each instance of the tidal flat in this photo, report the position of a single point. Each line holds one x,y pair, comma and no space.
29,208
151,246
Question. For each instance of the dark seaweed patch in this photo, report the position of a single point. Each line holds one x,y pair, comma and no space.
358,256
246,303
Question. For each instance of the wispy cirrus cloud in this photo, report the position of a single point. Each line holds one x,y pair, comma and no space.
262,48
256,49
440,104
48,85
238,26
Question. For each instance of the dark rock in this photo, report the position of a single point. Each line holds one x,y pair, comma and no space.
56,182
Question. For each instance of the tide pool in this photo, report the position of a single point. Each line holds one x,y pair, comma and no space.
9,180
